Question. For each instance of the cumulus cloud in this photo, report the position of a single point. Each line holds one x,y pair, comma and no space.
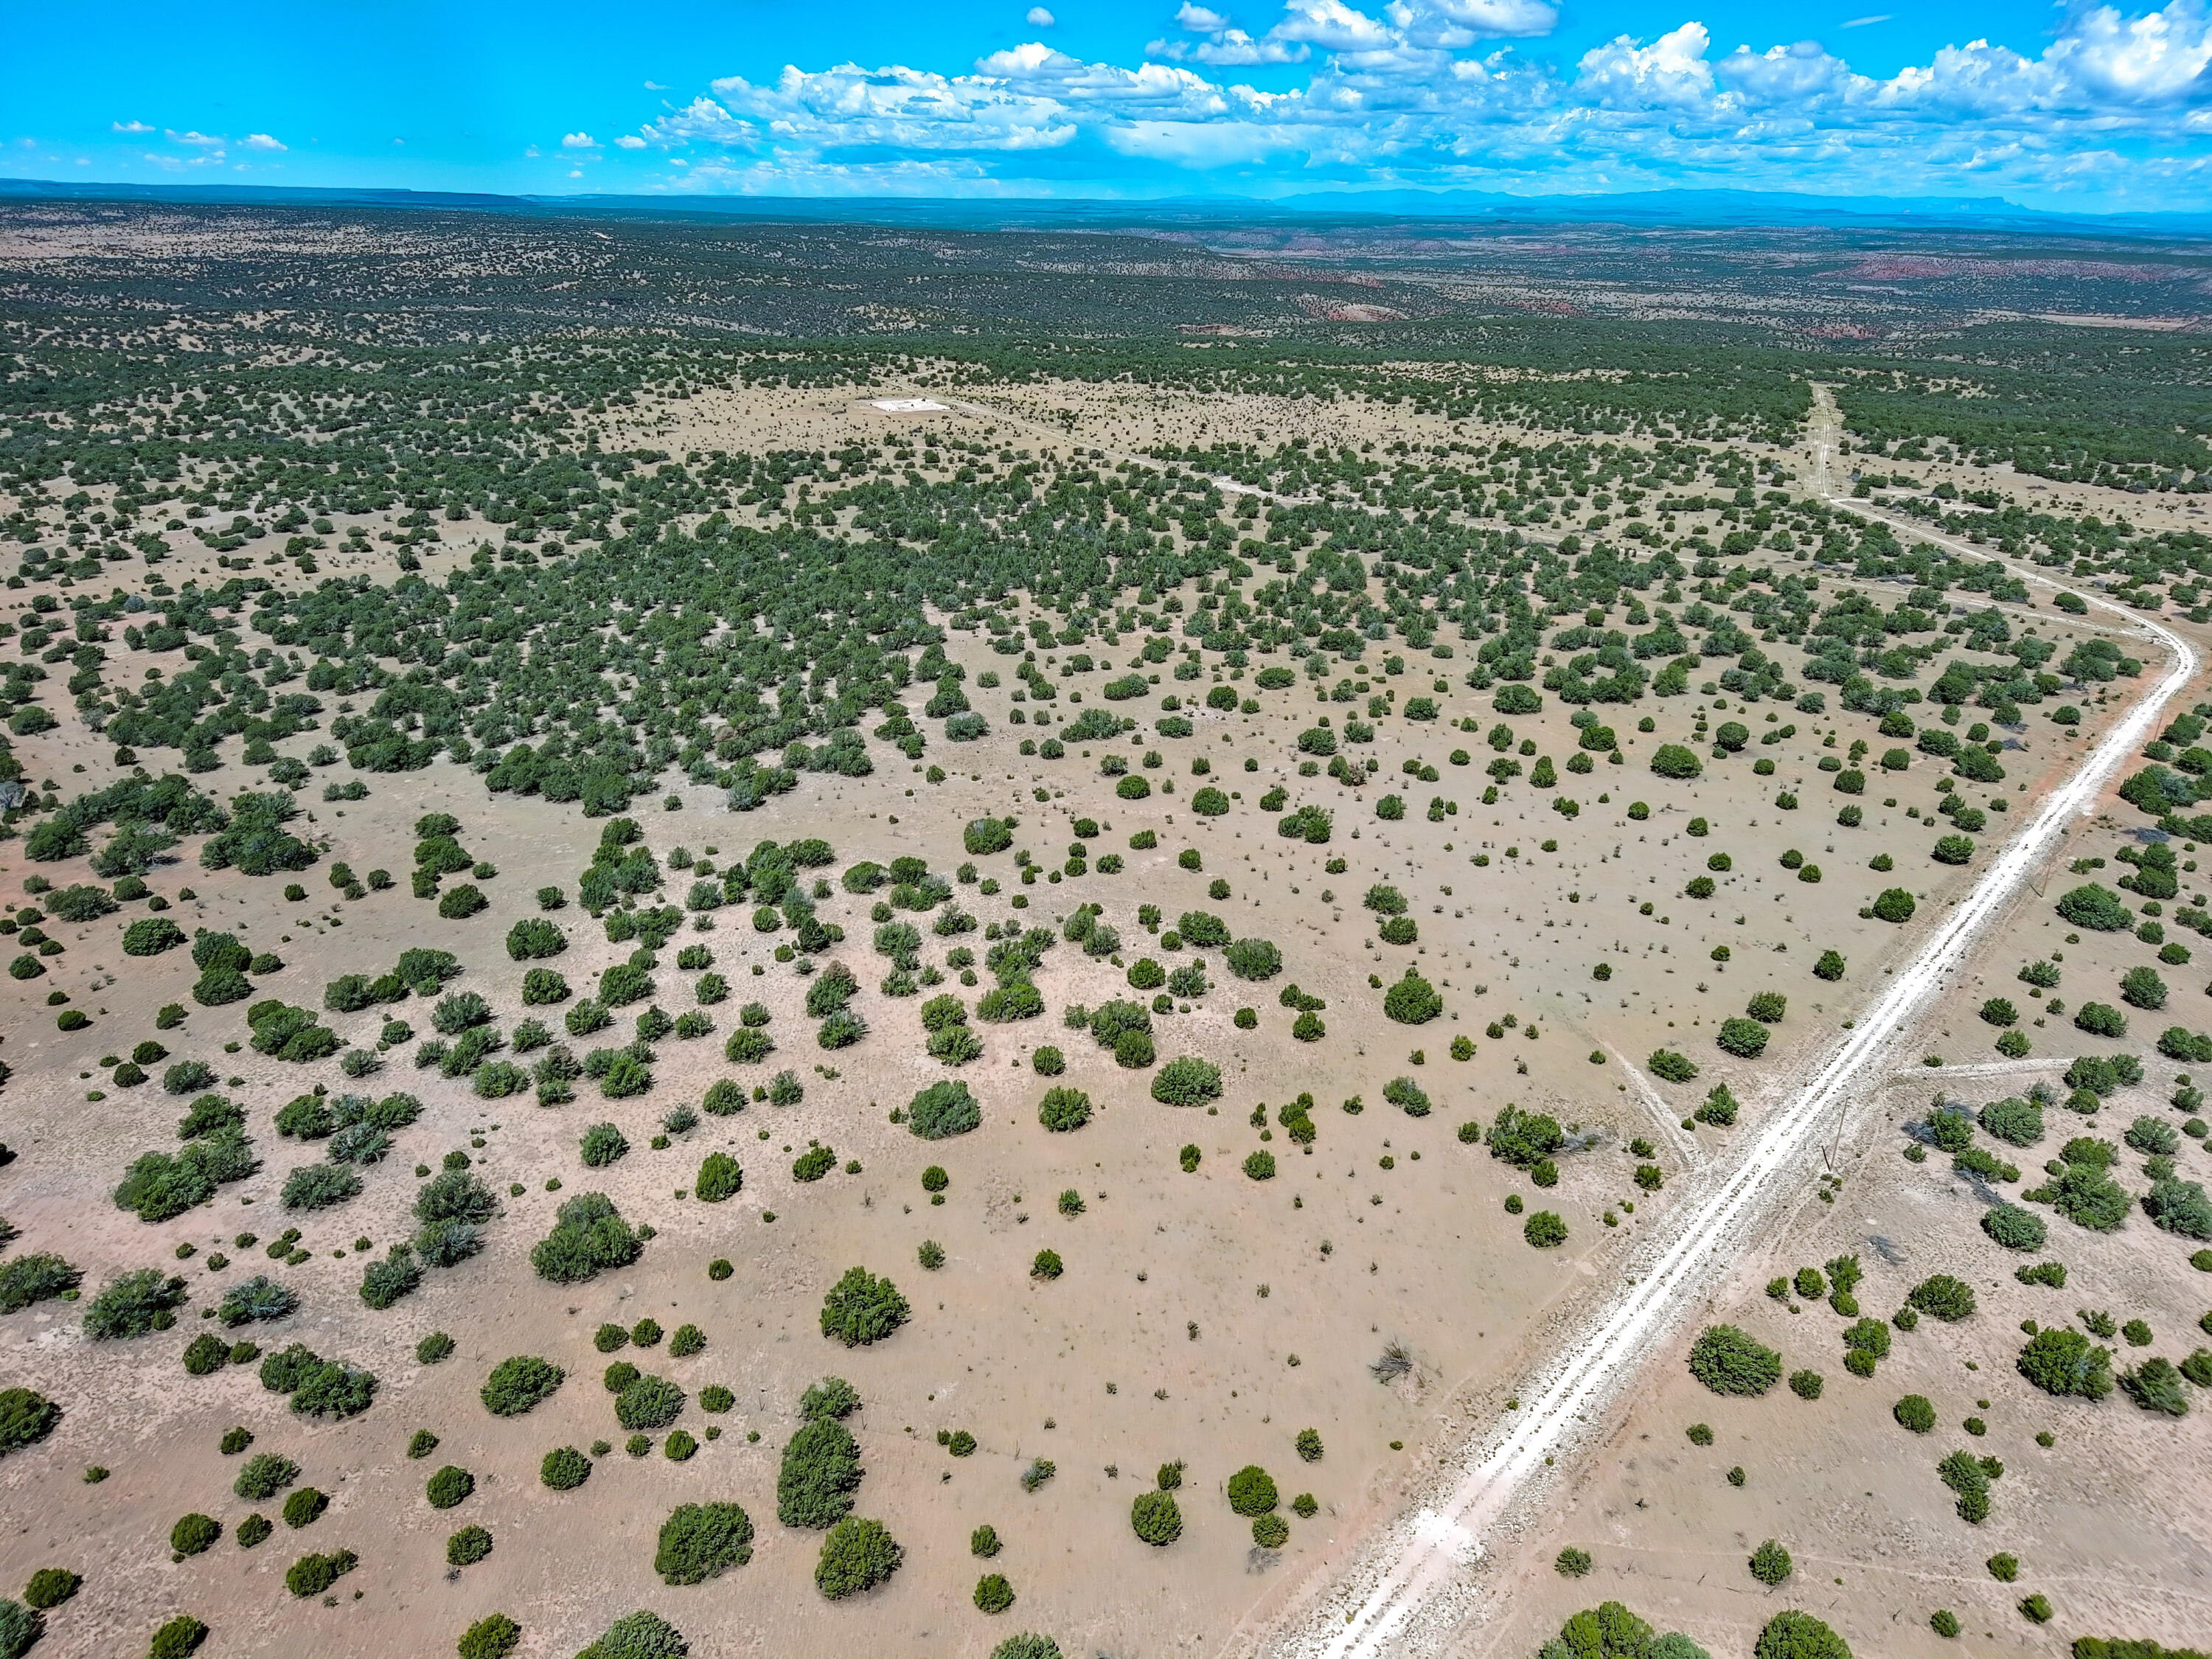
1039,18
1433,92
578,141
1670,72
260,141
2157,59
199,140
629,141
1495,18
131,126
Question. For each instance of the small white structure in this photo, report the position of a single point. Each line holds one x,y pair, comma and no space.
909,406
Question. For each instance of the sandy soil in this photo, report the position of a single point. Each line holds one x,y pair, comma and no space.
1292,1286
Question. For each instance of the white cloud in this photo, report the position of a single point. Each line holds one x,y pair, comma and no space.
1333,26
260,141
1783,76
1624,74
1867,23
654,86
2153,59
1231,48
200,140
531,154
578,141
629,141
1399,92
1499,19
1038,18
1223,44
131,126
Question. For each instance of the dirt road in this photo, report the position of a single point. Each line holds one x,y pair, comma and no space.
1409,1591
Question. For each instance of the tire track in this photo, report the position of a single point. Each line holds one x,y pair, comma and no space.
1408,1592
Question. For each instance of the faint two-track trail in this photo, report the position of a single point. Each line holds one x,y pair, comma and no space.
1408,1591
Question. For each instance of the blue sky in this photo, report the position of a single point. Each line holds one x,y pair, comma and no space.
2087,107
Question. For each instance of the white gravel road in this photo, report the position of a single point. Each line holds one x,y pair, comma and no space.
1410,1590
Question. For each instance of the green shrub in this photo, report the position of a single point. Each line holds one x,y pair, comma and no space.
149,936
2156,1385
1270,1532
1666,1064
1770,1563
1545,1230
305,1507
181,1636
1942,1297
320,1186
1893,904
1407,1096
820,1471
264,1476
650,1402
564,1468
1744,1038
857,1555
2013,1227
534,939
206,1354
2100,1019
2015,1121
1413,1001
700,1542
943,1109
310,1574
22,1626
1155,1518
49,1588
1793,1635
519,1384
1186,1081
861,1309
1729,1361
1252,1491
639,1635
588,1237
2095,908
2179,1206
2063,1362
194,1534
1914,1412
1253,959
719,1178
1676,761
994,1593
1572,1562
133,1303
544,988
448,1486
492,1637
1806,1385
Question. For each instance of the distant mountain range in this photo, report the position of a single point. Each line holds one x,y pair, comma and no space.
1641,210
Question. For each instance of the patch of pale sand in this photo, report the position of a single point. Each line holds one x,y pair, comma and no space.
1436,1264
